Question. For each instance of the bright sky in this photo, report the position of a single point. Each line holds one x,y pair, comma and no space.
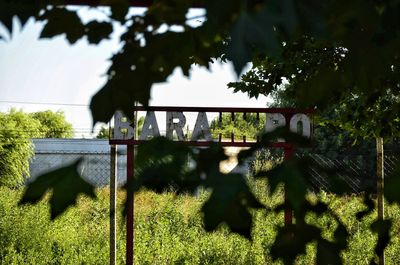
52,71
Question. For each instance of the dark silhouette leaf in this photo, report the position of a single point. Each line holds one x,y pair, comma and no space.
65,183
160,163
98,31
291,241
62,21
119,9
229,203
287,173
251,33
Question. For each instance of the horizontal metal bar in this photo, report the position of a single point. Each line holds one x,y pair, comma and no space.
223,109
204,143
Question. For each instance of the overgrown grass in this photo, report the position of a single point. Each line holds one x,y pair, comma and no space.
168,230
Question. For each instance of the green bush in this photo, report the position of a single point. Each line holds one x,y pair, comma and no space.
169,230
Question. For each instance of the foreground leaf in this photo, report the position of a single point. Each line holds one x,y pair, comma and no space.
287,173
66,184
250,33
230,203
291,241
62,21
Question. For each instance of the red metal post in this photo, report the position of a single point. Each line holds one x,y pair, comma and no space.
288,211
130,156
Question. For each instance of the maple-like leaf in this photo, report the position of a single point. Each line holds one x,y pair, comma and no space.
65,183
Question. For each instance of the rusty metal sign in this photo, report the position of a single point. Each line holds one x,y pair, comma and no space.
124,129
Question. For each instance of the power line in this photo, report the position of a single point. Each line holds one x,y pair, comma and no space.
44,103
46,131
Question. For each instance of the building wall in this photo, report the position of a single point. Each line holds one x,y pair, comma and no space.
95,168
51,154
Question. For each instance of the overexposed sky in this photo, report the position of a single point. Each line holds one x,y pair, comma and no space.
52,71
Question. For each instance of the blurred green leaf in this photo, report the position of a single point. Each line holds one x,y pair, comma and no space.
287,173
65,183
252,32
62,21
119,9
208,161
291,241
160,164
229,203
98,31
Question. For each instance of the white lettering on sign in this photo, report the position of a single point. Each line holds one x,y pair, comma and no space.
175,122
303,121
150,126
201,128
273,121
122,127
299,123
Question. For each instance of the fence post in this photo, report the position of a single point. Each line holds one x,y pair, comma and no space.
380,186
130,204
113,204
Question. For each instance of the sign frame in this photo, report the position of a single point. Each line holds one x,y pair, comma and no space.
288,113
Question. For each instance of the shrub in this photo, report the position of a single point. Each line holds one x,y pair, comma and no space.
169,230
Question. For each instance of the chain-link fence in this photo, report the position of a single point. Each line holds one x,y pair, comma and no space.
51,154
358,170
95,167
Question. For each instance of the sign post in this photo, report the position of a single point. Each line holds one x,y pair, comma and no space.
124,134
113,204
380,188
130,158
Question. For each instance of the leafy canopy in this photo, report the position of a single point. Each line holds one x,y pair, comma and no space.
317,74
364,35
53,124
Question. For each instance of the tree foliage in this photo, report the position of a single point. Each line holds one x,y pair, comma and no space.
355,44
104,133
15,146
53,124
240,126
17,129
365,110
